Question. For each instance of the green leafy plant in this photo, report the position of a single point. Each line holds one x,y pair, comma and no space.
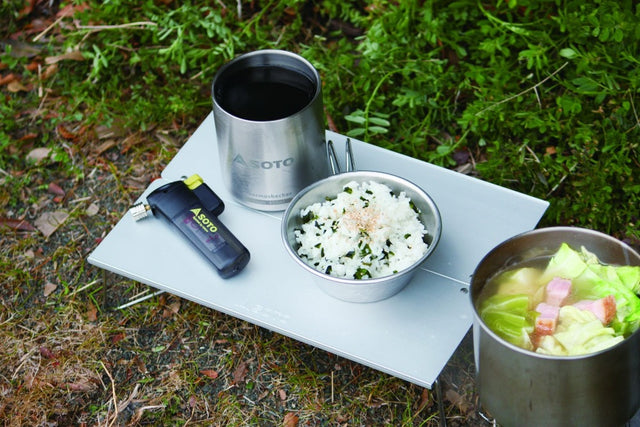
542,92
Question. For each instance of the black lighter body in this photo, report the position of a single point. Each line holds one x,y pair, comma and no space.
193,208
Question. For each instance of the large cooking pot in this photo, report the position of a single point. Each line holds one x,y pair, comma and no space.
522,388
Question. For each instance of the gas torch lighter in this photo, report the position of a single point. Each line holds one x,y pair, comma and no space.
193,208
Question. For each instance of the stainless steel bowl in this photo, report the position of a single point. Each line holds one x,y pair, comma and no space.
522,388
365,290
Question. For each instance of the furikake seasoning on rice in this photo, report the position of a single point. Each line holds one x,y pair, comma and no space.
365,232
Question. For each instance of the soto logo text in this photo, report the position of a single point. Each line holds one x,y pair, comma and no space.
203,221
262,164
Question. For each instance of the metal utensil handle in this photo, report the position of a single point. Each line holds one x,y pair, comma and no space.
333,158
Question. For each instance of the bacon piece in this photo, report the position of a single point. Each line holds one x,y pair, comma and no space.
604,308
547,319
558,290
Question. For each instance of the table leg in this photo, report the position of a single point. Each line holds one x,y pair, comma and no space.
443,415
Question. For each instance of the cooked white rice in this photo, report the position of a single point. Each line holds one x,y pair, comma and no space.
365,232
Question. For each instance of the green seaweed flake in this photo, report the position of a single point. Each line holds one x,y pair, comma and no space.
309,216
361,273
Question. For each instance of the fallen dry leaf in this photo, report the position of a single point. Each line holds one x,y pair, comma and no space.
457,399
92,210
142,368
47,353
262,395
32,66
290,420
118,337
104,147
49,288
27,8
49,71
240,372
166,139
193,401
49,222
81,386
38,154
282,394
55,189
28,136
171,309
74,55
104,132
71,9
174,307
5,80
424,399
92,312
67,134
16,86
131,141
16,224
210,373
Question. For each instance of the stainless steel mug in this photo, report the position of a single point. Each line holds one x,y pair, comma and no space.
269,120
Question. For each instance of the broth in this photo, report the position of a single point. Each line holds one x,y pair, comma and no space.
566,304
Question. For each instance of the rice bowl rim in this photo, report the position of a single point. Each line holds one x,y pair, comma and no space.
401,184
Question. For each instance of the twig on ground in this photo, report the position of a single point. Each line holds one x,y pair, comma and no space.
122,406
113,394
635,114
21,362
88,285
534,88
140,24
555,187
46,30
138,414
332,388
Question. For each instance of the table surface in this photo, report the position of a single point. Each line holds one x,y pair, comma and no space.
411,335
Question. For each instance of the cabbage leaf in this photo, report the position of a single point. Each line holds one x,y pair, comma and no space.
509,317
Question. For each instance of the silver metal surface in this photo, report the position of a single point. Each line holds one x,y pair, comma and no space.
365,290
334,162
140,211
523,388
411,335
265,163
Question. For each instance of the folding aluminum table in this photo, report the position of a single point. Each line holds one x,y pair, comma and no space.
411,335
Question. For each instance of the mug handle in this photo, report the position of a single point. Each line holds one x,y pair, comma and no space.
333,158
